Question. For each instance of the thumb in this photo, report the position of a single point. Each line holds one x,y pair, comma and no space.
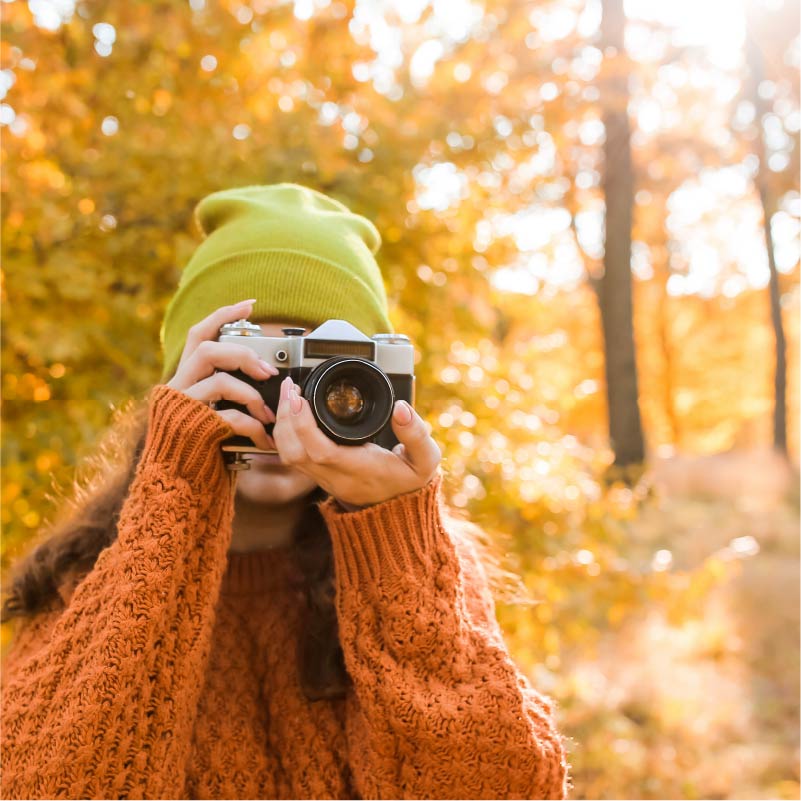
419,449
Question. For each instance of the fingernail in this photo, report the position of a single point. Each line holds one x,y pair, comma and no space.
403,413
243,302
295,403
270,368
285,384
270,414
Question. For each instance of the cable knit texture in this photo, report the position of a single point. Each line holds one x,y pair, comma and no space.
169,670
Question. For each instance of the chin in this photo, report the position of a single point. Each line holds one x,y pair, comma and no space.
271,484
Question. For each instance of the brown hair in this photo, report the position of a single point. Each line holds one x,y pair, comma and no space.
87,523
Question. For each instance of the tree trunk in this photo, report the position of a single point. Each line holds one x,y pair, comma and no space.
756,68
615,296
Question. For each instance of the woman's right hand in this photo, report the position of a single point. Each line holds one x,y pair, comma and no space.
195,375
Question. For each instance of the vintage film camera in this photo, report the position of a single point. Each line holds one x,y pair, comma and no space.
350,380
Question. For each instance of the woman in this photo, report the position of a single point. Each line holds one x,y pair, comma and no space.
314,627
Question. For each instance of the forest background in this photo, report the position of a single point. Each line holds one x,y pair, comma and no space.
624,420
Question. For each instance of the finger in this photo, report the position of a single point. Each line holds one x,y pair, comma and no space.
210,356
209,327
319,448
419,449
247,426
286,440
222,386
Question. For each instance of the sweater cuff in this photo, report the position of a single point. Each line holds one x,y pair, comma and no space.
185,434
403,535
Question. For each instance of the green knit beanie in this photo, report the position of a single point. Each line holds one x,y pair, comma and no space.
304,256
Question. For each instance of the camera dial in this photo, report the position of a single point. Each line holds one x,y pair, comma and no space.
391,339
241,328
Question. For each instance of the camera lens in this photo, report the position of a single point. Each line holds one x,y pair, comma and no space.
350,397
344,401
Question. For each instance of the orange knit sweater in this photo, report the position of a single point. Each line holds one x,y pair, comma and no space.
170,670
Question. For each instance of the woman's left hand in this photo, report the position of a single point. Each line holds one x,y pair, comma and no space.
359,475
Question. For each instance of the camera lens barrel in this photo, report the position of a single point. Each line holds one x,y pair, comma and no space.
351,399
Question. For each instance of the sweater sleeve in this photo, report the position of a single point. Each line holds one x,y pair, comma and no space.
99,698
438,709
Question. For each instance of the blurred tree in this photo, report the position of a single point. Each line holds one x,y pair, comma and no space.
766,32
625,429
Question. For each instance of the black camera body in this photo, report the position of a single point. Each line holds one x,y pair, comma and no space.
350,380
